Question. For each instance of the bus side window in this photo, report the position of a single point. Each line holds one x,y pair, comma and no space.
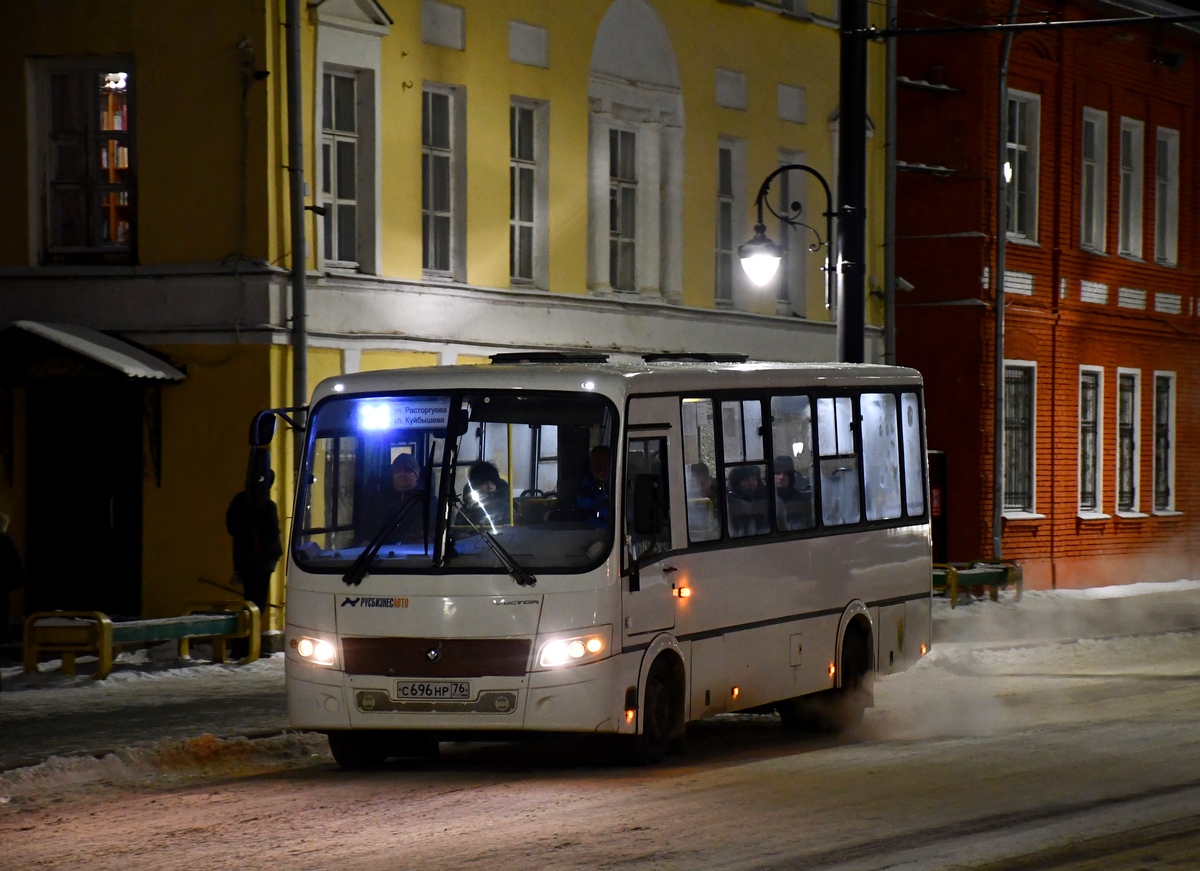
791,435
745,468
881,455
910,425
699,461
646,479
839,461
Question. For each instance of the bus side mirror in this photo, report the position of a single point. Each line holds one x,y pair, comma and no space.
647,504
262,429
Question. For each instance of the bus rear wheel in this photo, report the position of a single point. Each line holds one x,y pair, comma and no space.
836,709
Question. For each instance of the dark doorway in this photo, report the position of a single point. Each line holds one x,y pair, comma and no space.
84,527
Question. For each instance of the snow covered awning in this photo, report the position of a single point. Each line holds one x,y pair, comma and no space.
114,353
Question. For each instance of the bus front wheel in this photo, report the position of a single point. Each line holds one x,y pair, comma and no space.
356,751
658,720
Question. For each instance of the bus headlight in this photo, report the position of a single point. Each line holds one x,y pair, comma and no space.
317,651
575,649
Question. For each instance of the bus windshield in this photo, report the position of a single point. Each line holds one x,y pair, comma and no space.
438,481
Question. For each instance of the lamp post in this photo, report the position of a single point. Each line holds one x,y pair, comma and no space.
760,256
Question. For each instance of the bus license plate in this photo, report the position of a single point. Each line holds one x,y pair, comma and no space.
433,690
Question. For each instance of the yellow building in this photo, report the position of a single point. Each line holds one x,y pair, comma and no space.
483,176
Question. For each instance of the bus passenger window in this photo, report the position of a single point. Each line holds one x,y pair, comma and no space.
791,435
839,461
910,424
745,471
881,455
699,461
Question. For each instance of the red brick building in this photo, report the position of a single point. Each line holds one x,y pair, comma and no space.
1101,346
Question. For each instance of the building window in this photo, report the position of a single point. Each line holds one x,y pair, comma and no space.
442,188
1130,231
1127,440
1021,167
339,168
1166,197
522,185
1095,163
725,259
1164,441
1090,402
622,209
1018,437
88,193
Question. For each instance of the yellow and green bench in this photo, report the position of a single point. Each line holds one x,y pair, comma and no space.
953,577
71,633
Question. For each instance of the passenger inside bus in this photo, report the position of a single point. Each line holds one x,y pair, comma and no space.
590,499
702,504
383,505
793,496
485,499
747,502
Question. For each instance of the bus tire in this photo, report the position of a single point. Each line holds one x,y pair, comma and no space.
658,720
853,697
358,750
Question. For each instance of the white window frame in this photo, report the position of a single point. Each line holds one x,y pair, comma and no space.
330,198
1093,202
618,185
1031,512
1166,196
735,200
455,151
1173,445
354,47
1129,207
1133,510
1023,224
1096,513
538,166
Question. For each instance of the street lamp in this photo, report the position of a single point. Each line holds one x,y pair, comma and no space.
760,256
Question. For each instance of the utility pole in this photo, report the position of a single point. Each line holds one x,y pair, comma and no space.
295,112
852,183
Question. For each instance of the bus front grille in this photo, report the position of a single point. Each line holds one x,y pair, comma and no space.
436,657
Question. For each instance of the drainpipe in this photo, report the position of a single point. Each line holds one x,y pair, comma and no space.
889,201
1001,242
295,113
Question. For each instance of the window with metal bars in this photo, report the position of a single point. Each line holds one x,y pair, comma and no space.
622,209
1089,425
1018,438
339,168
1126,441
1164,390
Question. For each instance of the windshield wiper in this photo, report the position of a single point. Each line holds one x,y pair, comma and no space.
358,569
518,573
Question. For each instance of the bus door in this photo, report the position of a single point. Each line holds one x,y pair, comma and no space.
652,449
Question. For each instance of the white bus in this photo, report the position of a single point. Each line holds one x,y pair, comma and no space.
569,545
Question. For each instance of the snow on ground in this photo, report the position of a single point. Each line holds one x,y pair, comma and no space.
960,688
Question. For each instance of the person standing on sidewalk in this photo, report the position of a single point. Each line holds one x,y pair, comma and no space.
253,522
